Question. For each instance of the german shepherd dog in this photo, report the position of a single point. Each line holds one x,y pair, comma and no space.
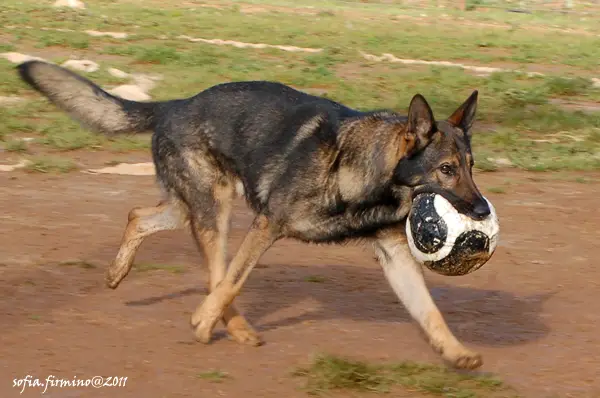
310,169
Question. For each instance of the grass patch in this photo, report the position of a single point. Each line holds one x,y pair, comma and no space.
496,190
11,84
157,54
484,164
73,40
315,279
519,98
151,53
214,376
18,146
71,138
568,86
6,47
78,263
111,163
518,104
129,143
332,373
532,151
375,35
147,267
327,373
50,164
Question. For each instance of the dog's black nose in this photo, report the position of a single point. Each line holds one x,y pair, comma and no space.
481,209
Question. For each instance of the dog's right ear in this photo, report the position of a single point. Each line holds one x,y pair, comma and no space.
420,126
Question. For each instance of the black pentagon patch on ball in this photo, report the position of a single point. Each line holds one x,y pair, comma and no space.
428,228
469,253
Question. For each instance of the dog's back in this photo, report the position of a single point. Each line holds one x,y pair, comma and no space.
253,131
235,116
245,129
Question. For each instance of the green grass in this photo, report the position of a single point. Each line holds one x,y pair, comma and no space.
496,190
69,138
483,164
578,150
63,39
50,164
214,376
10,83
19,146
375,35
524,120
315,279
330,373
78,263
568,87
147,267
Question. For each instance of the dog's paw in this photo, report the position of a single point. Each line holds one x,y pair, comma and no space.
463,358
242,332
202,331
205,317
114,276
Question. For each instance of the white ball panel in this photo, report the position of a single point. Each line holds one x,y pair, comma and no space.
456,224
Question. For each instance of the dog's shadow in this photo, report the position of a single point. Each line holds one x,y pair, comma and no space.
281,295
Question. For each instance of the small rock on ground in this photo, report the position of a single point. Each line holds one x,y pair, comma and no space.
118,73
11,167
18,58
7,101
502,162
135,169
69,3
83,65
130,92
114,35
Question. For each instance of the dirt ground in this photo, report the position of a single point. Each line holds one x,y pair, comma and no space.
532,311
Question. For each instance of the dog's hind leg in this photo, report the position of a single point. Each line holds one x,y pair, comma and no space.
405,276
260,237
143,222
213,244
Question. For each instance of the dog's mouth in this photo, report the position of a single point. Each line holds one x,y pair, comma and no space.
461,205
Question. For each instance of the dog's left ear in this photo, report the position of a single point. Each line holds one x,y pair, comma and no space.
420,126
464,116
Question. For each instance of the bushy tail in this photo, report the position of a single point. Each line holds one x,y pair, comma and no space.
87,103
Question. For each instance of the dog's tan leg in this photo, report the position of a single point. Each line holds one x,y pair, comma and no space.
213,245
143,222
257,241
405,276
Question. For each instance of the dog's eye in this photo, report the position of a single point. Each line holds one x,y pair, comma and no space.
447,169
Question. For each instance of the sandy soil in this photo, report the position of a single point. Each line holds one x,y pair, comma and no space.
532,310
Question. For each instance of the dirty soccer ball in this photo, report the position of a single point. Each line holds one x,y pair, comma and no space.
446,241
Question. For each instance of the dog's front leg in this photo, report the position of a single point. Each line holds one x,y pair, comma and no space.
405,276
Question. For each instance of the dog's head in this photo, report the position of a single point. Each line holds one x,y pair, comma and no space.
438,156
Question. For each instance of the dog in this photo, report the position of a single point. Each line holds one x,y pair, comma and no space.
310,169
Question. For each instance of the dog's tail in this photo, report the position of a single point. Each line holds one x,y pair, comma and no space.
86,102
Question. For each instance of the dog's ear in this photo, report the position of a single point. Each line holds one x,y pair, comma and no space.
420,126
464,116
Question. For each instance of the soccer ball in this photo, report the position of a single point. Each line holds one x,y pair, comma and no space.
446,241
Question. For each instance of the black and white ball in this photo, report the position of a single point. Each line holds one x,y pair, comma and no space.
446,241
